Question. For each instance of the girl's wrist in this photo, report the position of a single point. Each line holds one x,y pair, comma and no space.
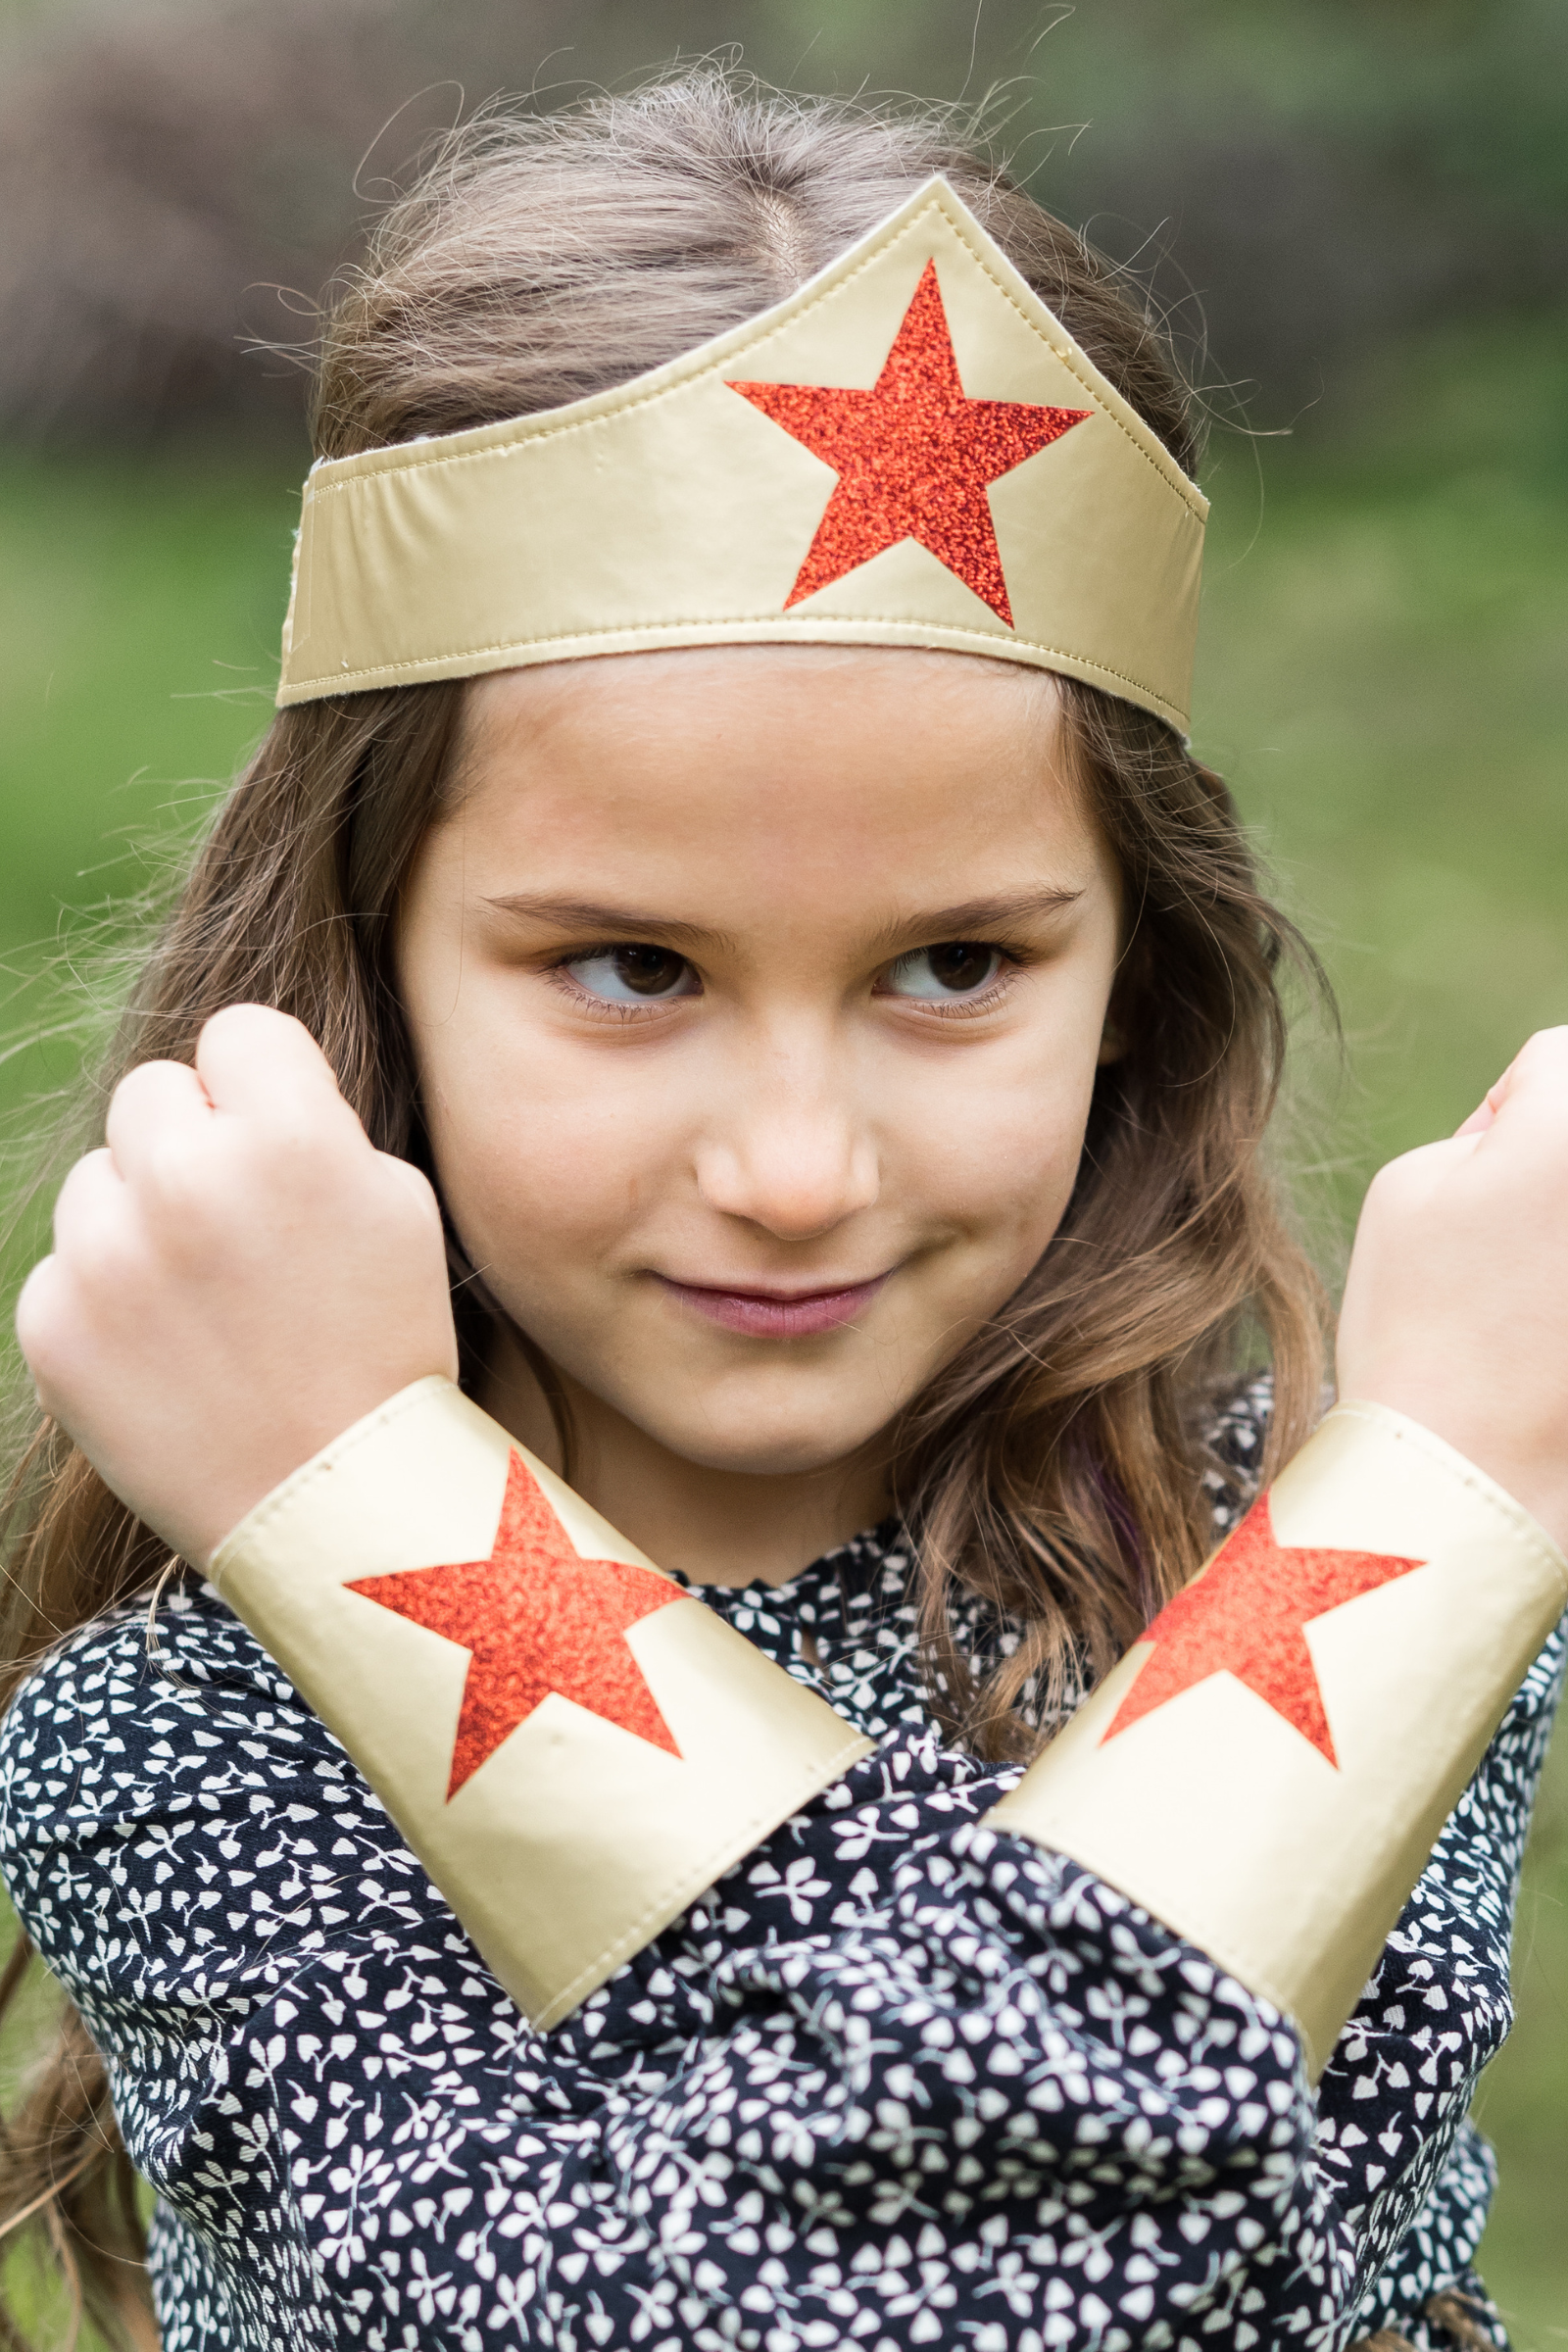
1492,1429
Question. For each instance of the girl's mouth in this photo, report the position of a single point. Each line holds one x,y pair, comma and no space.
776,1314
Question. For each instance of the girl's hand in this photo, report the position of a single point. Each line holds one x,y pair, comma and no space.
236,1279
1457,1305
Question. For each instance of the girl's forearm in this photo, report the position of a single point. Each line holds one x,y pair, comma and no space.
1266,1771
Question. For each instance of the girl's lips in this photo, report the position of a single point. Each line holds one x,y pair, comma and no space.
778,1314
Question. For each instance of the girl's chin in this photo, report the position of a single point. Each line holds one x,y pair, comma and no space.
760,1430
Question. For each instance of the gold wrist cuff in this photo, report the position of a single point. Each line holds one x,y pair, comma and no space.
1268,1770
573,1746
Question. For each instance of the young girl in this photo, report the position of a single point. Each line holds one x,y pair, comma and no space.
725,954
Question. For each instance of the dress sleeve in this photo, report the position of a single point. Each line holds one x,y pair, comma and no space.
1394,2099
900,2079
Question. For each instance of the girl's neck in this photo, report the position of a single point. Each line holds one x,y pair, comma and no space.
717,1526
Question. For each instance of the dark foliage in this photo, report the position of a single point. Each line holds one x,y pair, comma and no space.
1306,178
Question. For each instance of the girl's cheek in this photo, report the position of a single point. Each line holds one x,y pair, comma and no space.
1006,1151
553,1154
1018,1193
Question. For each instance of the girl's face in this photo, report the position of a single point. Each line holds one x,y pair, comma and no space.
758,996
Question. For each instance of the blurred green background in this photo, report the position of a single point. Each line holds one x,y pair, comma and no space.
1361,203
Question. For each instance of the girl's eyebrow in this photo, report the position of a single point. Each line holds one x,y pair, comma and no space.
977,918
587,915
973,918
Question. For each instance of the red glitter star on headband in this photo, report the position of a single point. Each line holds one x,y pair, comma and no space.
914,456
1246,1615
534,1617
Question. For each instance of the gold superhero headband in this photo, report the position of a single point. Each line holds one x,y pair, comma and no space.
910,450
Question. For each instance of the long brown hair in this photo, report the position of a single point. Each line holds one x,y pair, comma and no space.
1057,1465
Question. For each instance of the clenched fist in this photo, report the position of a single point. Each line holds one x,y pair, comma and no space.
236,1279
1457,1304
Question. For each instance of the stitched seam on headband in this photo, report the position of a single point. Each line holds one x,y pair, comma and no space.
342,680
1070,362
398,463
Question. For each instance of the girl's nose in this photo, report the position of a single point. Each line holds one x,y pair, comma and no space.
795,1167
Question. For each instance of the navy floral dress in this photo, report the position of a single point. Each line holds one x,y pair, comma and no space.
898,2081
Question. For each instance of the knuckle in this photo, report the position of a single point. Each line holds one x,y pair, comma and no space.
245,1020
1544,1052
38,1312
146,1080
1388,1186
85,1194
258,1031
101,1263
408,1187
1404,1188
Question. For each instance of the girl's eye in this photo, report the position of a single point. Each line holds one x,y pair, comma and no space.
634,975
957,967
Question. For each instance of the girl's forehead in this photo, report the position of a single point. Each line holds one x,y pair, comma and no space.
765,771
707,692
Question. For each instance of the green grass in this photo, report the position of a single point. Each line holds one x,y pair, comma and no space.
140,611
1382,678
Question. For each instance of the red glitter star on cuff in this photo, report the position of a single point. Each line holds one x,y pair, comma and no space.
534,1617
1246,1615
914,456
